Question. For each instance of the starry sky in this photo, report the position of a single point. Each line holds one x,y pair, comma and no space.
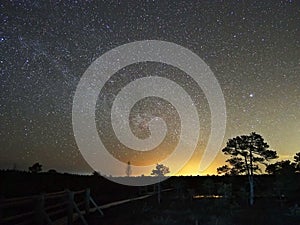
252,47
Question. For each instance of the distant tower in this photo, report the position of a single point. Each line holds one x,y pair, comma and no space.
128,169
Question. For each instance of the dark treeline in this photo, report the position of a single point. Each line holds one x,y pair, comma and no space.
21,183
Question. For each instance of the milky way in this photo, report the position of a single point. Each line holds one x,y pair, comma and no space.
253,48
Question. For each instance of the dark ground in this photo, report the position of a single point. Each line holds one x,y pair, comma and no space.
177,206
173,211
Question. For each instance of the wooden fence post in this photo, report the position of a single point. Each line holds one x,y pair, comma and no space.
70,196
40,202
87,201
1,210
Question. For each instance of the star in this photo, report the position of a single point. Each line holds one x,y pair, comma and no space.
253,54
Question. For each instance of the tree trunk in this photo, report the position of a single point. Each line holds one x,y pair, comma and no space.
158,192
251,195
251,183
251,178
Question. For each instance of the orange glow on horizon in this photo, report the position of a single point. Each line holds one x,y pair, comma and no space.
192,167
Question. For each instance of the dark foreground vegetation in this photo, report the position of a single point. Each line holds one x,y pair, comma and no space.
207,211
192,200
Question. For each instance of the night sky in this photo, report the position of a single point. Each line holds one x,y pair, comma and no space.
252,47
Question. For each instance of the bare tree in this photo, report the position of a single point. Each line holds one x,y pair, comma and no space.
297,162
128,169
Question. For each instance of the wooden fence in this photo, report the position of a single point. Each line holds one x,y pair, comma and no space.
59,208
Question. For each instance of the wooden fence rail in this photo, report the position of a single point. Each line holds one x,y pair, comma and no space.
58,208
